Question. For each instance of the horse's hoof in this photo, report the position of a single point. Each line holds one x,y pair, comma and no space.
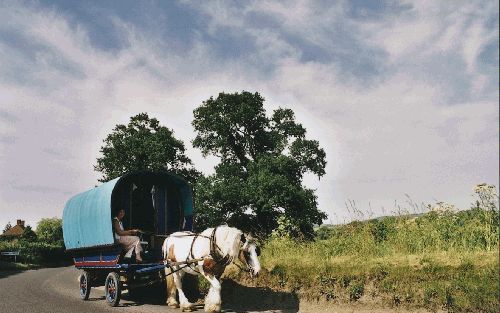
188,307
171,302
214,308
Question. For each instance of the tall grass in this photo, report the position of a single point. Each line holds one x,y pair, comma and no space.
472,230
439,259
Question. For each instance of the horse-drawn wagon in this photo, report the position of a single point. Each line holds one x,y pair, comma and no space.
158,203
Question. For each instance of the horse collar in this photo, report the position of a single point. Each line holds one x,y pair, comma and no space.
215,251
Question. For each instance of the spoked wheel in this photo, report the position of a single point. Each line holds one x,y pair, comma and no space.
113,289
85,285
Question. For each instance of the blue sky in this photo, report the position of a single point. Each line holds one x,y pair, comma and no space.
403,95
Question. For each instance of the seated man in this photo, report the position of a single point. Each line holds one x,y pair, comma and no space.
126,238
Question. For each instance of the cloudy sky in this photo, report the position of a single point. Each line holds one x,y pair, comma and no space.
403,96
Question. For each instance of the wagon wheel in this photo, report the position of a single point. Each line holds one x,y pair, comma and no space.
113,289
85,285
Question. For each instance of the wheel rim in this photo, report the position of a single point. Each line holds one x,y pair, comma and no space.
111,287
83,285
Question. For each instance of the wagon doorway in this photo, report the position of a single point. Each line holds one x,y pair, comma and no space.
156,208
142,213
168,208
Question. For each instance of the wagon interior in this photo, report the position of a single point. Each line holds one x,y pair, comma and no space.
152,204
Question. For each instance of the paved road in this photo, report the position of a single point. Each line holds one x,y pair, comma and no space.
55,290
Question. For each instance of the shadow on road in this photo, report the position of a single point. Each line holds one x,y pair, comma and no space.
242,299
235,298
96,299
7,273
150,295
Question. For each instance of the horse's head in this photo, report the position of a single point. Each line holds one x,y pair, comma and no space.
249,254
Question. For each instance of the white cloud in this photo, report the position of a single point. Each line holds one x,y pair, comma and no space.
399,134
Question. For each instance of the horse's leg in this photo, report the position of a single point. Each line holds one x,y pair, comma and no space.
184,302
171,289
213,300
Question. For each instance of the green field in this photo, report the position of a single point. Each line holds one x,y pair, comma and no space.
435,260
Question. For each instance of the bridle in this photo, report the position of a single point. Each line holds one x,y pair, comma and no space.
249,268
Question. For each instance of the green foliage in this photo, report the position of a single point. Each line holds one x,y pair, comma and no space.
439,260
143,144
324,232
356,290
36,252
45,246
262,163
378,230
286,228
50,230
28,234
433,260
473,229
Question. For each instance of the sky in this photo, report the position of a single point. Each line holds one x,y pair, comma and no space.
403,96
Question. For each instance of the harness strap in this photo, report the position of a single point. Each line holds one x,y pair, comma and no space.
215,251
191,255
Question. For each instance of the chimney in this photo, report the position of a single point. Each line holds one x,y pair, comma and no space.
20,223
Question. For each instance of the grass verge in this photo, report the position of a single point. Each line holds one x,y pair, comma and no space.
452,281
435,261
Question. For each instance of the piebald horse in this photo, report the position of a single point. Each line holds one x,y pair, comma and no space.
207,254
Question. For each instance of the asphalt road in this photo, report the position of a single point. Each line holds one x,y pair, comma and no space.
54,290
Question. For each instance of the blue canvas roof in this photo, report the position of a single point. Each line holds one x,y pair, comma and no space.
87,216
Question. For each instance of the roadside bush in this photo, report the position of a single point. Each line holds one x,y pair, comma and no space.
379,230
40,252
324,232
36,252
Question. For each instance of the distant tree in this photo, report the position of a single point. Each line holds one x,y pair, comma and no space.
7,227
50,230
28,234
143,144
262,164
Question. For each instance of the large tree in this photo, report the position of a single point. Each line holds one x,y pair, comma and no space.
143,144
262,164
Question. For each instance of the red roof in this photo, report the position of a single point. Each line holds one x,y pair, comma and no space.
15,231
